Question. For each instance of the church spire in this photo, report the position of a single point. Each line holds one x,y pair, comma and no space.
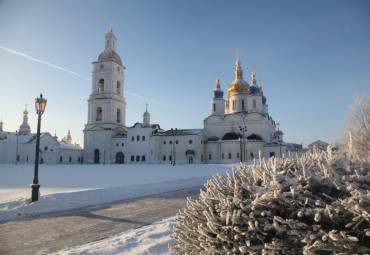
1,124
218,85
146,116
253,82
25,128
110,40
238,70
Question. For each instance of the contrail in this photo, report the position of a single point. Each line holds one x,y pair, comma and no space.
68,71
44,62
148,99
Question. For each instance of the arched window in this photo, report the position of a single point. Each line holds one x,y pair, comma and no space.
118,116
254,103
229,155
143,158
132,138
99,114
233,105
214,107
223,156
243,105
132,158
137,158
118,90
143,138
101,85
138,138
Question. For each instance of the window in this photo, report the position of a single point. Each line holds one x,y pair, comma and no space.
229,155
132,138
223,156
243,105
61,159
137,158
272,154
118,116
46,148
18,157
99,114
143,138
27,158
201,158
170,158
214,107
164,142
116,144
210,156
138,138
170,142
132,158
190,141
164,158
101,85
233,105
254,103
118,89
70,159
122,144
177,142
237,155
143,158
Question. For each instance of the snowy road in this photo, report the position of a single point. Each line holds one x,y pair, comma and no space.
55,231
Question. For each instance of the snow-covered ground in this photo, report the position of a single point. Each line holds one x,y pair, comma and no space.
64,187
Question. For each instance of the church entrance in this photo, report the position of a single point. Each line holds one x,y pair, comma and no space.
96,156
120,158
190,156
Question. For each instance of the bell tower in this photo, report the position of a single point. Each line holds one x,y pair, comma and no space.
106,104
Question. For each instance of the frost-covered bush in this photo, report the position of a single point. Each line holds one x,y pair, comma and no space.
316,204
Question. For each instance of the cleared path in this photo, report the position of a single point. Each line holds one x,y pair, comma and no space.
55,231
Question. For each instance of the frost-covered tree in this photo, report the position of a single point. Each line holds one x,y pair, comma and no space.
315,204
358,123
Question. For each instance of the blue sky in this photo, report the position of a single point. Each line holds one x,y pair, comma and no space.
313,57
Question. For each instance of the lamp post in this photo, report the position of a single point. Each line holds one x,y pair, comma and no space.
280,149
241,149
40,104
173,132
243,129
16,150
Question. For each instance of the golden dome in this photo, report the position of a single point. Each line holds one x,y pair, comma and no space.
238,86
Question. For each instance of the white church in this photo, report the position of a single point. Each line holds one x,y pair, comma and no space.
238,128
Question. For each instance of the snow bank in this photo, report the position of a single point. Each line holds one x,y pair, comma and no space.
65,187
151,239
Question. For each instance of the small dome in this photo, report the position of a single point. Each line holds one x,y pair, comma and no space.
264,100
218,94
238,86
231,136
254,90
110,55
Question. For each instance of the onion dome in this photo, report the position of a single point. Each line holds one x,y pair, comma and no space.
25,128
238,85
254,90
109,53
218,93
264,100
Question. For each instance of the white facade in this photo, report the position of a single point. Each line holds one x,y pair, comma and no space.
239,127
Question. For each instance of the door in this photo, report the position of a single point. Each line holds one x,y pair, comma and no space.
97,156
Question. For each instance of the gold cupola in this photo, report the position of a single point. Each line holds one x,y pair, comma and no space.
239,85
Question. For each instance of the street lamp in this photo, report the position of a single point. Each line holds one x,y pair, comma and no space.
243,129
173,133
280,149
241,149
40,104
16,150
